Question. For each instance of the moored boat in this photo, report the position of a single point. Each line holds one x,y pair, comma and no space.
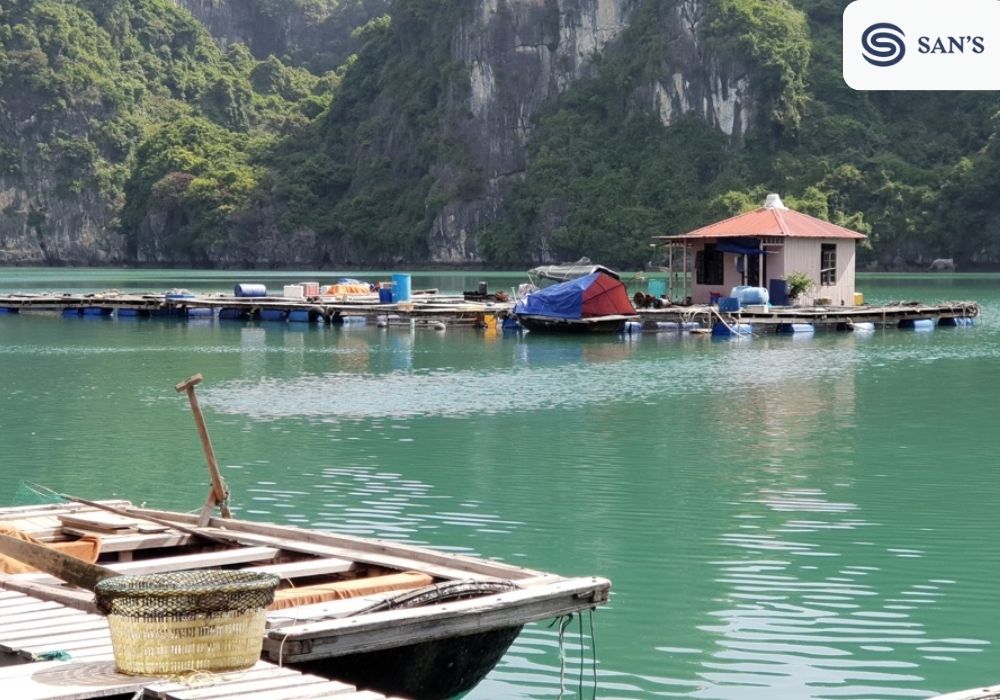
596,302
395,618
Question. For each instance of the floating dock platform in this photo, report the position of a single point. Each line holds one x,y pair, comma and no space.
421,307
432,308
809,319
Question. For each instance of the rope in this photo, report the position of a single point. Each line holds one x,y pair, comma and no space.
563,623
583,661
593,649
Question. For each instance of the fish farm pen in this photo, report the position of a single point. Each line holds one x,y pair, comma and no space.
449,310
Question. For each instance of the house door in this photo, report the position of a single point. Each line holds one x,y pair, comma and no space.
753,270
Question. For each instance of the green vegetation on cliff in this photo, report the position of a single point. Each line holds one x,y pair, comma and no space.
129,107
116,98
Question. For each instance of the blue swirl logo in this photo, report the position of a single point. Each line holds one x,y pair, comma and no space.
882,44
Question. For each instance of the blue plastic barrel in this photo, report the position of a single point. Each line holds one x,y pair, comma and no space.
200,312
956,321
250,290
232,314
796,328
730,304
385,295
273,314
8,310
97,311
778,292
300,316
400,288
72,312
632,327
720,329
750,295
919,324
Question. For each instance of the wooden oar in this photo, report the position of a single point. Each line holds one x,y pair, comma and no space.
59,564
218,495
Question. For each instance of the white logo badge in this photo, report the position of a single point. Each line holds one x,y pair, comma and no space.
922,45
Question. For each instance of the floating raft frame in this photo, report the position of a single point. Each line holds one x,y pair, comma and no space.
333,310
776,319
428,307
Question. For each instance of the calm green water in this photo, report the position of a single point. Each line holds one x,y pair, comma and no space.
781,518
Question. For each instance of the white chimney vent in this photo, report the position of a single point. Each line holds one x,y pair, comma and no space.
773,201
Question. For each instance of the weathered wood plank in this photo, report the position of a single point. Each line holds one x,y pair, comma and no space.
71,598
12,606
51,617
224,557
372,551
306,567
127,543
392,628
54,640
262,669
248,688
89,645
46,628
62,680
331,690
101,521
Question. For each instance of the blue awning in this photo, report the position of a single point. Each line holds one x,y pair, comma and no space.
740,246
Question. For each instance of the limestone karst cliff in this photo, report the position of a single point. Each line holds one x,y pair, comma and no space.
312,133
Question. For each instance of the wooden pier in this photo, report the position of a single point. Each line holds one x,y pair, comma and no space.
432,308
321,309
779,319
32,629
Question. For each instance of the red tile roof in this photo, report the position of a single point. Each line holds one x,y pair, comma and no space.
768,221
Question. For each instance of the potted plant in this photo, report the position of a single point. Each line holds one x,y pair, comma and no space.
798,283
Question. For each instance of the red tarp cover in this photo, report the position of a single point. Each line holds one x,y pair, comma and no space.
606,296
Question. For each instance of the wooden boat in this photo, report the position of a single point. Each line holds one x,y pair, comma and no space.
986,693
594,303
567,271
613,323
398,619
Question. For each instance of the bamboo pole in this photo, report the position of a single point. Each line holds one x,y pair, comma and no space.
218,494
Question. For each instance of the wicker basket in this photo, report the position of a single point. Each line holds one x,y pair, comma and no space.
185,621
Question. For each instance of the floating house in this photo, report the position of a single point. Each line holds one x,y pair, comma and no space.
758,249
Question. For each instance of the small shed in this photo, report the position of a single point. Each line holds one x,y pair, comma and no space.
759,248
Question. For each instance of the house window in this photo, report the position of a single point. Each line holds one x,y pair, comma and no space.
828,264
708,265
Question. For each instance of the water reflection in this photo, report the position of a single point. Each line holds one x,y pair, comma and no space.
808,613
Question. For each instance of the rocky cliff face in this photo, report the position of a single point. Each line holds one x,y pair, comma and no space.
521,54
41,227
52,209
316,35
517,56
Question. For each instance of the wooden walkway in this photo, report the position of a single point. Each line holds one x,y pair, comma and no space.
327,309
31,630
771,319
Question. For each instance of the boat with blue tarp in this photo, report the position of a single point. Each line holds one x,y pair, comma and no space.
597,302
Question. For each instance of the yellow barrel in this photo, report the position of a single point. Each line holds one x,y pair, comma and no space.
859,299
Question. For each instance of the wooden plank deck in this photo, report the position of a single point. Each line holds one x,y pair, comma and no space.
822,317
27,634
327,308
